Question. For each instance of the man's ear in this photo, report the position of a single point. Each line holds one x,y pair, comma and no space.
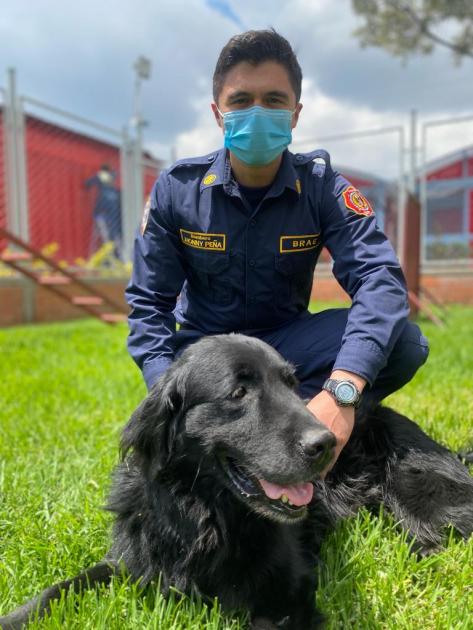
295,116
152,428
217,115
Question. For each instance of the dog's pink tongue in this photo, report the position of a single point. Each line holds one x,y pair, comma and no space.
298,494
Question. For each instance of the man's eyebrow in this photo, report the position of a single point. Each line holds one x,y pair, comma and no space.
240,93
278,93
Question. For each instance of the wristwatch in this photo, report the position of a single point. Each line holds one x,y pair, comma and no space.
345,392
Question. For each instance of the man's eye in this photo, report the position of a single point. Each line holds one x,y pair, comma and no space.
239,392
238,99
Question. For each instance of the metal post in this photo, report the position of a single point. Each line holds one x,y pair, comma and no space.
401,198
424,202
17,201
142,68
128,209
13,219
138,173
22,172
413,154
10,160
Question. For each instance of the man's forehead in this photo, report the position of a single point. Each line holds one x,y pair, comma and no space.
267,76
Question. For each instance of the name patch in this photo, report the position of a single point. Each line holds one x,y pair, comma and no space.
204,240
298,243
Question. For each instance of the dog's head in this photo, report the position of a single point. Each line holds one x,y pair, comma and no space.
227,414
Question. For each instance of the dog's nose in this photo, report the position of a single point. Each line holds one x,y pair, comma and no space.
316,443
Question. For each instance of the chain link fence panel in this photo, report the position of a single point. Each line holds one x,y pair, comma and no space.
73,180
446,192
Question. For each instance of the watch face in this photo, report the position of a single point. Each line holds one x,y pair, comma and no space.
346,392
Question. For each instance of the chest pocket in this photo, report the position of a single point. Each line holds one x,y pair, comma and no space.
208,274
296,274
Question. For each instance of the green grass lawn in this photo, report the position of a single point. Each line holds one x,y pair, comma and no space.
65,392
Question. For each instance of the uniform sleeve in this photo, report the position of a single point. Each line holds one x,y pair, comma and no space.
156,281
367,268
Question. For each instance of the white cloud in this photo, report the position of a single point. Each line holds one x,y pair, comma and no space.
204,138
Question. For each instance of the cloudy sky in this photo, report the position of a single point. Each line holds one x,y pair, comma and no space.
78,56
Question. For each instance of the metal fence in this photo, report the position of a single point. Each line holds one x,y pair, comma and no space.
446,192
75,189
444,185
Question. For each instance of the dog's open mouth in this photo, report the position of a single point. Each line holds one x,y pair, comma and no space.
289,500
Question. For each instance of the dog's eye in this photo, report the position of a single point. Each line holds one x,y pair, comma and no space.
239,392
290,380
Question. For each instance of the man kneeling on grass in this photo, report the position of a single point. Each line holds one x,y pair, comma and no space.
238,232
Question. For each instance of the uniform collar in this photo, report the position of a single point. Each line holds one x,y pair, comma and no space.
287,176
220,174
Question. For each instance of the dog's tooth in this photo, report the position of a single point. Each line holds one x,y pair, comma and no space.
285,498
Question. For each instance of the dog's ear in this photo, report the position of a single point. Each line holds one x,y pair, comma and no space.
152,428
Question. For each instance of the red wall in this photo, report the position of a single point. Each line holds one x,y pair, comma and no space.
60,208
58,161
451,171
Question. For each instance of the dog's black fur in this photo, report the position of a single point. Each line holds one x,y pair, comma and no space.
189,508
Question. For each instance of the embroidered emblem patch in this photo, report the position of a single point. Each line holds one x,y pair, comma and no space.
355,201
144,220
209,179
298,243
203,240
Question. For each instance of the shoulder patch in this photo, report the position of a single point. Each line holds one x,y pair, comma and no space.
144,220
356,202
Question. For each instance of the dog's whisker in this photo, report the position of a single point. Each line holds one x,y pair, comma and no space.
196,475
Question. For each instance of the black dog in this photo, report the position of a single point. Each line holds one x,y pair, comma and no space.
218,492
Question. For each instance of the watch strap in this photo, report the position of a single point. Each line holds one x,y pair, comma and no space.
330,386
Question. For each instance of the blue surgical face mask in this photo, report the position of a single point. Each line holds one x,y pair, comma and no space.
257,135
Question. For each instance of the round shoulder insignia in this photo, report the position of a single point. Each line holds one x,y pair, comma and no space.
209,179
357,202
144,220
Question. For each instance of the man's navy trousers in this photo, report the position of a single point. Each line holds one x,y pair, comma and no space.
312,342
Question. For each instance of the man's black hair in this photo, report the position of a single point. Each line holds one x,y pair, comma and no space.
256,47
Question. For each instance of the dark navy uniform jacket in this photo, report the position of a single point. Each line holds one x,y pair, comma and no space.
242,269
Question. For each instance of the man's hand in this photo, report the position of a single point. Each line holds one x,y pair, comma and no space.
339,420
